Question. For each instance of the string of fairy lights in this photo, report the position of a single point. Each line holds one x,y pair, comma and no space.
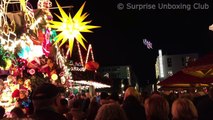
29,38
10,40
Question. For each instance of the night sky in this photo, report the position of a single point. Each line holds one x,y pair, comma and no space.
120,40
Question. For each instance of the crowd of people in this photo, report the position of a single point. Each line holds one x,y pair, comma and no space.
48,102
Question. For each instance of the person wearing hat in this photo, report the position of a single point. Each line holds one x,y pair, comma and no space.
46,101
23,100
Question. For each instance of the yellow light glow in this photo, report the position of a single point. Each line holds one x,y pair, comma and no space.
8,64
93,83
71,28
54,77
23,5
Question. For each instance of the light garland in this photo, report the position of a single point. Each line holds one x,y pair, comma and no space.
79,51
92,83
88,53
80,69
60,60
44,4
33,26
74,28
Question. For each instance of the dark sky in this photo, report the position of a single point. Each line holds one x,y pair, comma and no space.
120,40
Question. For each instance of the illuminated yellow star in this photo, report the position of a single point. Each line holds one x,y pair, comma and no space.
71,28
23,5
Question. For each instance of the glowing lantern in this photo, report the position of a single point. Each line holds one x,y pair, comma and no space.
15,93
91,65
54,77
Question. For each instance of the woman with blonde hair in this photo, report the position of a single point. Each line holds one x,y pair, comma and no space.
111,111
131,91
157,108
184,109
132,105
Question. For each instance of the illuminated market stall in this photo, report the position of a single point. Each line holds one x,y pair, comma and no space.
36,49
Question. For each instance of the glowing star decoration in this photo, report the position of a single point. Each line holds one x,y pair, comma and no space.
147,43
23,5
71,28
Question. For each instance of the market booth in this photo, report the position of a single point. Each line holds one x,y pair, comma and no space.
181,81
198,74
202,68
36,49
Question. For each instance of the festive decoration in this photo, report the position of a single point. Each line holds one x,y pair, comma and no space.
15,93
71,28
44,4
6,59
24,50
92,66
89,51
8,64
33,51
23,5
46,43
147,43
54,77
31,71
